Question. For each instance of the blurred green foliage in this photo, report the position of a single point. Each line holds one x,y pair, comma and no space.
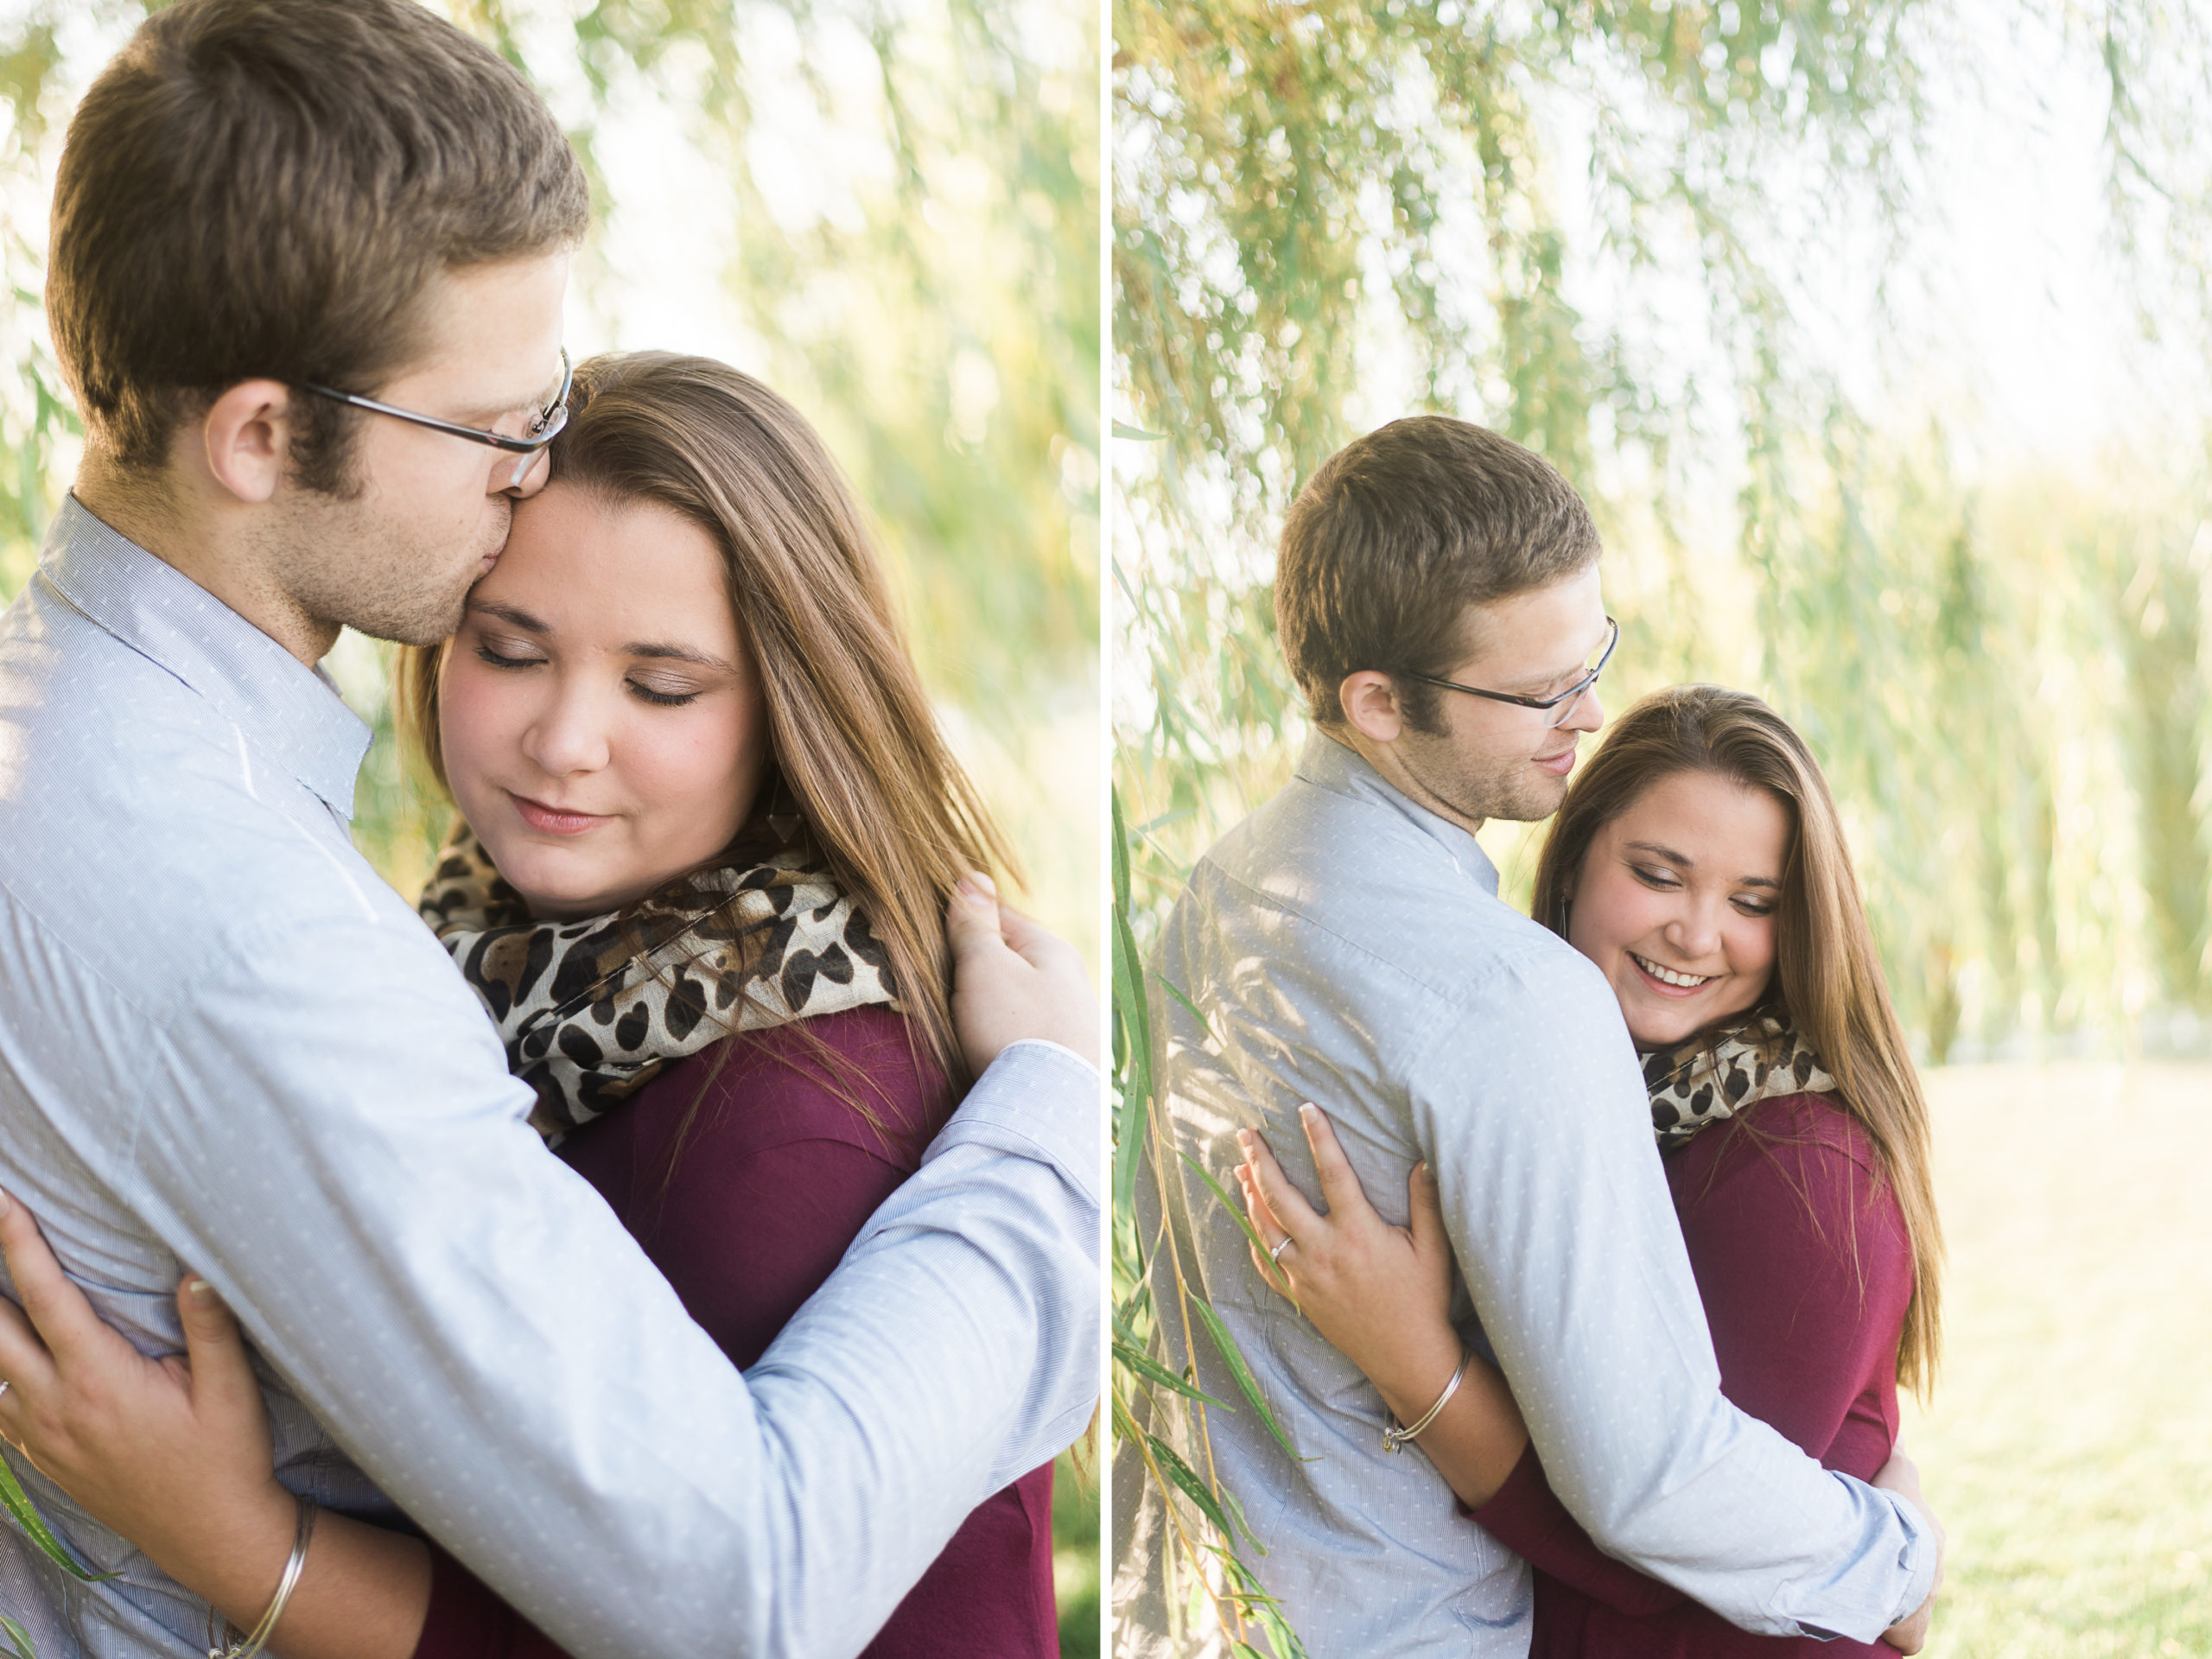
1979,661
942,327
1610,229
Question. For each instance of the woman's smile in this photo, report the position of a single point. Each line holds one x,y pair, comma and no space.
1668,978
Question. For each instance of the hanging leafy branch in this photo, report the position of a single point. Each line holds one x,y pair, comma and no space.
1622,233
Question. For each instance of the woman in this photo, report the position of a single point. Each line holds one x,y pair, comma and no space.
1698,862
709,830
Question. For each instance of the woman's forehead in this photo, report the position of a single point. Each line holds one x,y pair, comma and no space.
611,573
1707,816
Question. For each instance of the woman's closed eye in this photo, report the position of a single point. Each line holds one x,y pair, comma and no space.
523,655
1665,880
665,695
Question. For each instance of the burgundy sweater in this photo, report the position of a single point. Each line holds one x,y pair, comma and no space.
773,1178
1805,1266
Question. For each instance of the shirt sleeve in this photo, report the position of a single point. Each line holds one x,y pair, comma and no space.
1536,1123
1527,1517
1804,1270
472,1324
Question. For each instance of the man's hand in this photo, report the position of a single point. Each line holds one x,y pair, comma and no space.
1012,980
1902,1475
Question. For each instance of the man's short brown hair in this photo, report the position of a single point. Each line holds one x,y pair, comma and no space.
1397,534
264,188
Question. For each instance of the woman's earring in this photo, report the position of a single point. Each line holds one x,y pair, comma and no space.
785,818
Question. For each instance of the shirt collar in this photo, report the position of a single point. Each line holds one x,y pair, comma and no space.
291,713
1328,764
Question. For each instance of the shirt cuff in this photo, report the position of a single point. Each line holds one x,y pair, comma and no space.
1036,1100
1920,1541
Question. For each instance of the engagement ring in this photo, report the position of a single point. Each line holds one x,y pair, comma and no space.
1276,1255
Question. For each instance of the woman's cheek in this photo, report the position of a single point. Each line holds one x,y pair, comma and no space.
692,770
474,715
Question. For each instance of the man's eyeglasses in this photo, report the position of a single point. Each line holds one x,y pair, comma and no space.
543,427
1558,708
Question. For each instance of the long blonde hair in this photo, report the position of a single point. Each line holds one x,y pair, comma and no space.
1827,977
853,737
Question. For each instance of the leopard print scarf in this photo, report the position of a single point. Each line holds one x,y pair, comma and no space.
591,1011
1708,1078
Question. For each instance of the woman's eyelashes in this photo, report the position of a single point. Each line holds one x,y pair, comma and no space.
1662,880
488,652
667,695
661,699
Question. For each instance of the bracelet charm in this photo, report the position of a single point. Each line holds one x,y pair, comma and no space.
1395,1438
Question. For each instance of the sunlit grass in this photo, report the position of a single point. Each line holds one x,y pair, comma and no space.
2069,1447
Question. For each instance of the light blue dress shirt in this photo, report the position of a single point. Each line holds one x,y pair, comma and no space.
224,1042
1348,947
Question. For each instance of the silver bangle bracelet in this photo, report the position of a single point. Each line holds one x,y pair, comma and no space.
248,1645
1394,1440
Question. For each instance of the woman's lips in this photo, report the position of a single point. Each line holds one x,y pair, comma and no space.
1659,987
552,820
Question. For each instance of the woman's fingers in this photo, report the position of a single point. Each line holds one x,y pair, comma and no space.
1264,1220
1297,1217
24,1361
1265,1225
1339,1185
1013,979
1425,1212
220,1370
63,1318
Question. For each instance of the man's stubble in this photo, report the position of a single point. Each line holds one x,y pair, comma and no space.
349,563
1480,786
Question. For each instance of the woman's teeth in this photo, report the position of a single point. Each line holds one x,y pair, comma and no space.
1667,975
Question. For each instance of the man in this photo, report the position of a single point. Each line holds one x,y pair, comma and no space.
224,1042
1345,945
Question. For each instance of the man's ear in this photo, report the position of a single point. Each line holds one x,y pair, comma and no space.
1369,700
246,436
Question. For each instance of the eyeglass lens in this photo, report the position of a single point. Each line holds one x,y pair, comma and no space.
1559,714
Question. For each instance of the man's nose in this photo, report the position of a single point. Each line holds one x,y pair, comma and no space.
520,476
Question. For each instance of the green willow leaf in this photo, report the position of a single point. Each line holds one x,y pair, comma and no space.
17,1502
1176,992
1141,1363
1247,1384
1235,1206
1181,1472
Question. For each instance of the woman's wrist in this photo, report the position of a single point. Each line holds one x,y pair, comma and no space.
1417,1371
233,1561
